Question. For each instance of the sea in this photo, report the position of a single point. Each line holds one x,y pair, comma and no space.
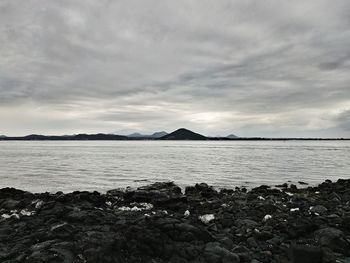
51,166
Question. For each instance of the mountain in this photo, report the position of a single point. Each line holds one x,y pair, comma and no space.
232,136
155,135
159,134
80,137
183,134
99,136
136,135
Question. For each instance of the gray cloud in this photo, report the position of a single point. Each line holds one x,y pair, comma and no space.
343,120
251,67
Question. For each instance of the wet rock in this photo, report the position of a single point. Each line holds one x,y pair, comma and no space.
302,183
215,253
285,185
334,239
12,192
293,187
243,253
246,222
226,243
252,242
263,235
318,209
157,193
62,231
201,189
305,254
345,222
9,204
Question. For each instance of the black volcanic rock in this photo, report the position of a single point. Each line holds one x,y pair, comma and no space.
159,223
183,134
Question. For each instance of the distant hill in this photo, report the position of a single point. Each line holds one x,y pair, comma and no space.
80,137
232,136
183,134
99,136
136,135
155,135
159,134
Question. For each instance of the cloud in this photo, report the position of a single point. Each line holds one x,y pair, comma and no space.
343,120
252,68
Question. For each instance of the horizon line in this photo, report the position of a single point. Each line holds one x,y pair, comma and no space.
146,136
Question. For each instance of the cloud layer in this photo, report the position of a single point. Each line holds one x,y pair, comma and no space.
254,68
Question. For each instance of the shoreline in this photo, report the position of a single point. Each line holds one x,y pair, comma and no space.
159,223
208,139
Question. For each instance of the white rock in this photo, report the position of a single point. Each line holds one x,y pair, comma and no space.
261,198
26,212
288,193
146,206
206,219
126,208
109,203
141,207
135,208
6,216
187,213
267,217
39,204
294,209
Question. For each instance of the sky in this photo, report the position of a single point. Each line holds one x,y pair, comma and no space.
251,68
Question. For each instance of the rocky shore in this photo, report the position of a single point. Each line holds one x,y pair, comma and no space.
160,223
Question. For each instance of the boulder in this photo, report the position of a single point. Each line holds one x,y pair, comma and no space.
214,253
318,209
334,239
305,254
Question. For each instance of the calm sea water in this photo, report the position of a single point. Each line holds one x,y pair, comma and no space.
102,165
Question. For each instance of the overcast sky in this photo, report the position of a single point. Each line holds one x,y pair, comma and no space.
252,68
